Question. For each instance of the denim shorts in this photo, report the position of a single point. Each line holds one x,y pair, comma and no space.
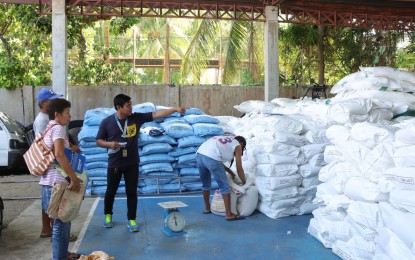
209,166
46,192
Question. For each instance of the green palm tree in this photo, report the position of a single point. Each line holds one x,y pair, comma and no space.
243,40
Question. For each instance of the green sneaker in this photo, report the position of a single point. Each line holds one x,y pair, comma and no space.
132,225
108,221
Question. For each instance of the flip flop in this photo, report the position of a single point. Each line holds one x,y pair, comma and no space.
72,256
73,238
237,217
45,235
207,212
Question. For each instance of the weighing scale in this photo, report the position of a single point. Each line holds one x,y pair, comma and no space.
173,220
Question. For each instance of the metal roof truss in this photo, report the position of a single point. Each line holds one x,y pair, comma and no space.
320,12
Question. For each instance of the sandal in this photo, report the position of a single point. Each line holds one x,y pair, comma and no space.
73,238
45,235
72,256
237,217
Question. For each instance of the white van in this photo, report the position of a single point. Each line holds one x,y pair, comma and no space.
13,142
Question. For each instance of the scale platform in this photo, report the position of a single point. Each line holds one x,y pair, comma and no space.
174,222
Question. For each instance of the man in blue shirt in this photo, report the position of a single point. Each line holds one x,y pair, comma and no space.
119,134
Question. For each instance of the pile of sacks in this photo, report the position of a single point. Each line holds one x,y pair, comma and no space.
362,146
167,161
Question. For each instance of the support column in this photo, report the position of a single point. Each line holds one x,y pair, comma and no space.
59,48
271,53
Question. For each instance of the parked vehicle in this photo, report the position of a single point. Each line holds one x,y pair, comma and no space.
13,142
1,215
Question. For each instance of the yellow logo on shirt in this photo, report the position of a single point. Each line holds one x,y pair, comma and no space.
131,130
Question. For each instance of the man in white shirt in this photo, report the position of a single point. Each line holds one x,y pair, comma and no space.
210,158
41,121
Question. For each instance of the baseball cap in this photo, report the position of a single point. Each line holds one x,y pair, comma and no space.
47,93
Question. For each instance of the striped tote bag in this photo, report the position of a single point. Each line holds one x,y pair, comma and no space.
39,156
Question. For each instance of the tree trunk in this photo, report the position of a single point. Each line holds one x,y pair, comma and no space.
321,78
166,74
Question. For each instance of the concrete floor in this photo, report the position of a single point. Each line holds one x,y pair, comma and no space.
208,236
20,240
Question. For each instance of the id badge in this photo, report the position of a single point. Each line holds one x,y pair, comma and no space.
124,152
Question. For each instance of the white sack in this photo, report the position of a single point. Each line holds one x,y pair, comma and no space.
380,115
340,112
247,202
389,243
329,213
316,160
274,158
401,177
404,156
281,194
309,150
255,105
370,134
276,170
284,204
306,207
347,81
389,96
364,213
359,230
377,159
391,73
406,135
275,183
338,134
399,222
283,123
308,170
310,123
314,230
332,153
274,147
291,139
316,136
310,182
354,151
310,192
359,188
403,200
276,213
341,250
345,170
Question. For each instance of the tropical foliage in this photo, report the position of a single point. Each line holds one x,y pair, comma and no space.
101,51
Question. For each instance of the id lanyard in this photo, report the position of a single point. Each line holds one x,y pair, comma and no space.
123,131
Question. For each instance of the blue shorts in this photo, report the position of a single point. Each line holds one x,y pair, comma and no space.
46,192
209,166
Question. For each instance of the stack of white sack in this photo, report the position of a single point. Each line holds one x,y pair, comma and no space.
285,156
167,161
389,90
368,176
366,201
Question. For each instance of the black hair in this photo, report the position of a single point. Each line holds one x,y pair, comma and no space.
242,141
120,100
57,106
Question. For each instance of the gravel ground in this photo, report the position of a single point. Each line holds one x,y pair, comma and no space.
16,187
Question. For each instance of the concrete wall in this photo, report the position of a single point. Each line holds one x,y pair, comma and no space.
214,100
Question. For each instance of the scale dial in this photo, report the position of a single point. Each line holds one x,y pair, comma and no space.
175,221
